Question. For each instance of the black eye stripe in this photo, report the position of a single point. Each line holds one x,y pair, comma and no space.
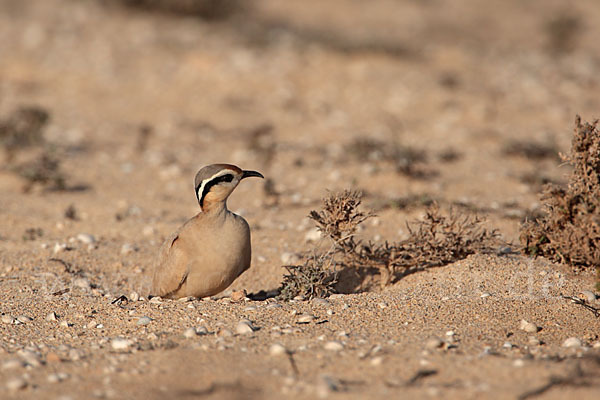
210,184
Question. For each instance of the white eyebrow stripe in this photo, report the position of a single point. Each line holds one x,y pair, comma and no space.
204,182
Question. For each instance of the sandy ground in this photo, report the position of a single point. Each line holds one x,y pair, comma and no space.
464,78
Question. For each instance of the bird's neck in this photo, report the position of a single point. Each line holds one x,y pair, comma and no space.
214,208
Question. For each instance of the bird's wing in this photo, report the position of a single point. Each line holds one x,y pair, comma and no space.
171,269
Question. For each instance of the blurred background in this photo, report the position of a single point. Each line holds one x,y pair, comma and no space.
109,107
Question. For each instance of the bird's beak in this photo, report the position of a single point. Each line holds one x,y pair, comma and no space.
248,174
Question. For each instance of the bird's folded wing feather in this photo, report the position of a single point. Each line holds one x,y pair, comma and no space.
171,268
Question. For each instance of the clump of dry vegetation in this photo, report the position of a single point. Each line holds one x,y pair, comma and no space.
23,128
569,231
313,279
406,160
436,240
532,150
44,170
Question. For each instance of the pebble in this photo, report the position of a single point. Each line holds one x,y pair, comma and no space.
81,283
134,296
528,327
65,324
30,358
244,327
320,302
334,345
51,316
277,349
57,377
572,342
155,300
224,333
508,345
143,321
189,333
382,305
434,343
376,361
306,318
588,295
127,248
120,344
86,238
16,384
148,230
59,247
7,319
12,364
52,357
201,330
238,295
24,319
533,341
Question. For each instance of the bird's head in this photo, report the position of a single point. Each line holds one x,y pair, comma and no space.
214,183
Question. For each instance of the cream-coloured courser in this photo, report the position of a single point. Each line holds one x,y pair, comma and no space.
205,255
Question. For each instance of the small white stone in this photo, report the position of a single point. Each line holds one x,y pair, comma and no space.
148,230
86,238
376,361
382,305
59,247
7,319
244,327
189,333
12,364
277,349
313,235
57,377
134,296
120,344
142,321
52,316
572,342
450,333
65,324
518,363
81,283
127,248
334,345
528,326
156,300
433,343
24,319
16,384
30,357
588,295
201,330
306,318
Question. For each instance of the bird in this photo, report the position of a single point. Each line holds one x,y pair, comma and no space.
213,248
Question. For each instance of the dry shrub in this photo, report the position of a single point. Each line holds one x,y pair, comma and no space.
311,280
563,32
207,9
434,241
569,232
45,170
406,160
532,150
23,128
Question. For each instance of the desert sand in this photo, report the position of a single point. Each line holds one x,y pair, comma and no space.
477,98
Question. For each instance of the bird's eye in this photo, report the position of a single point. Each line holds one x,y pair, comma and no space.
224,178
